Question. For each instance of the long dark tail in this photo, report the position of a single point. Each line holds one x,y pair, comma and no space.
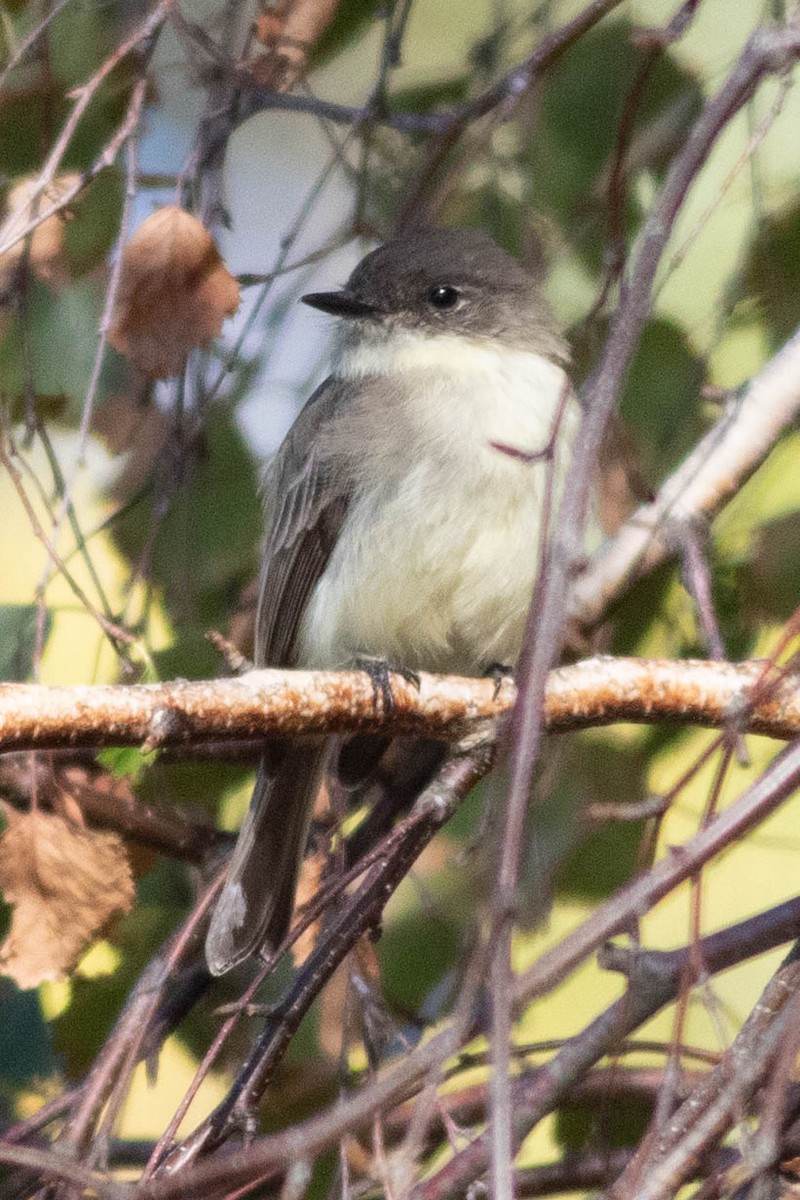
255,906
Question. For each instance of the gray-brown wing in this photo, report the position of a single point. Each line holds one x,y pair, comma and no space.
309,503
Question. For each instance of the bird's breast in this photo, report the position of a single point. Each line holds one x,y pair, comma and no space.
437,558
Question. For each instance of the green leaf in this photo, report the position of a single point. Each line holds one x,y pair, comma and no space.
61,333
412,966
622,1123
574,146
205,542
769,579
352,16
18,624
493,210
661,406
586,863
94,226
25,115
126,761
76,44
25,1050
440,94
14,6
772,274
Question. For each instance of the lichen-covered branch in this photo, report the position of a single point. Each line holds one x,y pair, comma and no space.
750,696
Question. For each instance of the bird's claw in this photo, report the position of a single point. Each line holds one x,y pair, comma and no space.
380,672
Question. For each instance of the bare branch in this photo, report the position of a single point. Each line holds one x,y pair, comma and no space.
746,696
51,1166
660,978
639,895
108,802
713,1103
106,1084
703,484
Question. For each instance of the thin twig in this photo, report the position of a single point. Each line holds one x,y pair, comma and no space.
25,224
30,41
108,1079
664,1180
660,976
117,636
130,126
360,913
46,1166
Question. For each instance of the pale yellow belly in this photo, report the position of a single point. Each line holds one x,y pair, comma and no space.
427,583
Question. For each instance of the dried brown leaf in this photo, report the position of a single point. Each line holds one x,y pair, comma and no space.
46,242
290,31
174,293
268,27
333,1013
137,433
307,886
242,624
65,882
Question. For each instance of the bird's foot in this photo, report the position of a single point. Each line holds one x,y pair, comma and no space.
499,672
380,672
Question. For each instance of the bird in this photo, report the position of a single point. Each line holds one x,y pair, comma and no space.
405,512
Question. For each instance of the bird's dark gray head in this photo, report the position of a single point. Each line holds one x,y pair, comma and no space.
447,281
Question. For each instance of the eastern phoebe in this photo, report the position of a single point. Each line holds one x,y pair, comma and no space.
405,511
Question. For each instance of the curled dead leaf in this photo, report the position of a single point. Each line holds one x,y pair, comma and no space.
307,885
65,883
268,26
174,293
45,245
289,30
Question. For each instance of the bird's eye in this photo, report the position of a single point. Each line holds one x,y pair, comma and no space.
444,297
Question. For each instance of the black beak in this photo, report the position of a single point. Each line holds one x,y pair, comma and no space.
339,304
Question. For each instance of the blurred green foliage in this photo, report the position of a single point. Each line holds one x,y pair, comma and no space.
604,97
352,18
46,344
771,276
18,635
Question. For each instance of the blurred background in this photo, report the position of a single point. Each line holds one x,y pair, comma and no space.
148,490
